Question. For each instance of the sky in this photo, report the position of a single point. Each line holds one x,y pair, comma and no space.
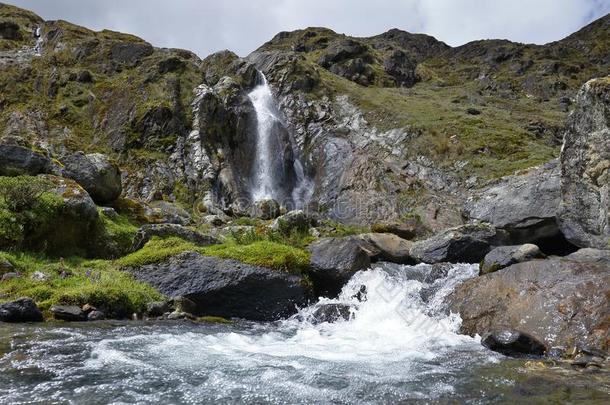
206,26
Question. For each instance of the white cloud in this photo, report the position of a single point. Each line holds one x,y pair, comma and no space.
205,26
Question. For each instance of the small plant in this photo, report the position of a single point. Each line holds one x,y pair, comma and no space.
21,193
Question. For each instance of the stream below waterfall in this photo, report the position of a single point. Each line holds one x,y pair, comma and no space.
399,344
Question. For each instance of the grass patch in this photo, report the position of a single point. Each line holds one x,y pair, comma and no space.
76,281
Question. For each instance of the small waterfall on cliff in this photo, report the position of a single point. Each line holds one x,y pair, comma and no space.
272,177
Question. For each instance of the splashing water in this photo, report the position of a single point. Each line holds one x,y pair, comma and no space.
398,345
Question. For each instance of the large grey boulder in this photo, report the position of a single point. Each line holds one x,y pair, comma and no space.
96,173
505,256
21,310
590,255
524,205
18,159
227,288
560,303
147,232
68,313
463,244
585,167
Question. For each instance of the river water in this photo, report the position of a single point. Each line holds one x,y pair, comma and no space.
399,345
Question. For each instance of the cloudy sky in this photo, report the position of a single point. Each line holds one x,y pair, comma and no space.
205,26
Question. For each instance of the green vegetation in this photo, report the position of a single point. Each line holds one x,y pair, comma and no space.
76,281
332,228
27,208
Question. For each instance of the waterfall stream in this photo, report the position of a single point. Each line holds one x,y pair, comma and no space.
270,175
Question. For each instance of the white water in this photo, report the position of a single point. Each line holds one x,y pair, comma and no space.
399,345
266,179
267,118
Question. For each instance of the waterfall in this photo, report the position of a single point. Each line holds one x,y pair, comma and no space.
271,177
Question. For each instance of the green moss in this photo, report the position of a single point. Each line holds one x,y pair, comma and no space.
99,283
119,230
330,228
157,250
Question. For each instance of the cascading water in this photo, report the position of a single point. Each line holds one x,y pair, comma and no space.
269,177
398,345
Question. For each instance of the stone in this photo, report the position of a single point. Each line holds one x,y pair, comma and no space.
168,212
39,276
265,209
69,313
147,232
214,220
10,31
505,256
473,111
10,276
334,261
226,288
584,215
331,313
96,315
109,212
408,229
402,68
512,343
16,160
157,308
296,220
589,255
557,301
96,173
6,266
130,53
524,205
387,247
21,310
463,244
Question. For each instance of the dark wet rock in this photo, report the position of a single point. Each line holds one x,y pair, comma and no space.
589,255
265,209
512,343
21,310
335,260
438,271
18,160
331,313
158,308
69,313
463,244
473,111
130,53
96,173
505,256
171,64
147,232
10,30
585,169
524,205
408,229
84,76
227,288
558,302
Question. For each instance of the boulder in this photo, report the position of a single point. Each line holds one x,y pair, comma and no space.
331,313
585,166
69,313
334,261
589,255
505,256
386,247
265,209
147,232
10,276
168,212
21,310
512,343
227,288
558,302
410,228
18,160
96,315
293,220
462,244
157,308
96,173
524,205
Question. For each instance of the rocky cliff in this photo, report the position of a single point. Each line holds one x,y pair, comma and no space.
387,127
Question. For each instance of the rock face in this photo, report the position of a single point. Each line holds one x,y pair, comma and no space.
560,303
585,168
523,205
463,244
21,310
96,174
227,288
146,232
505,256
